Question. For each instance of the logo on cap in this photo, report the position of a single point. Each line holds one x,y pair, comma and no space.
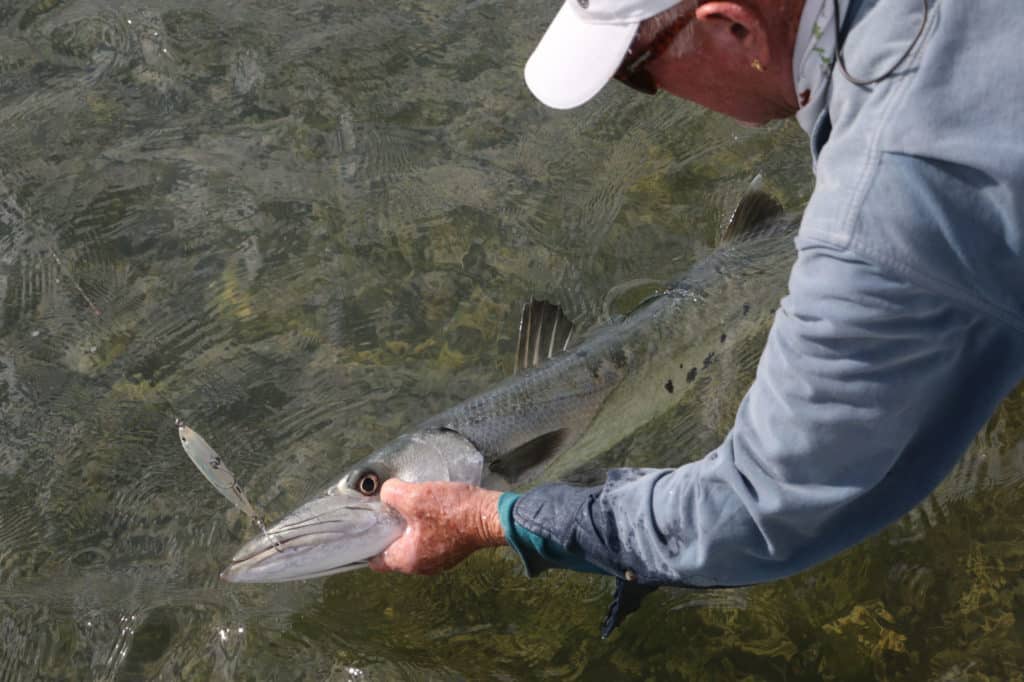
583,3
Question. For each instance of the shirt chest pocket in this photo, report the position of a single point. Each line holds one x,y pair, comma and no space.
820,134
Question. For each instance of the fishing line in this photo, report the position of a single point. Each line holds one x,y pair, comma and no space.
840,39
74,282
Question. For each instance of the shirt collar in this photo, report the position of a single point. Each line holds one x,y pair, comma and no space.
813,58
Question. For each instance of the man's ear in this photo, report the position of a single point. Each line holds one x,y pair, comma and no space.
738,27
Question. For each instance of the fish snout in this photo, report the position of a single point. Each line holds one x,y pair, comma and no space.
329,534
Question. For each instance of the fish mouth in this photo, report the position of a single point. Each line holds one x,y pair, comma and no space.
330,534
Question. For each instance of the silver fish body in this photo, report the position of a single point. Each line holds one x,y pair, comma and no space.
667,361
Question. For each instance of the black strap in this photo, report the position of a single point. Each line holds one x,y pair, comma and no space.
841,32
628,596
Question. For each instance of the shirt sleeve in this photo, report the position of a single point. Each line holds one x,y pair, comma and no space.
868,391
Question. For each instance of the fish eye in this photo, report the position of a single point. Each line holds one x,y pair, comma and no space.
368,484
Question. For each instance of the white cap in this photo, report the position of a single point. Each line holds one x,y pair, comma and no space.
583,48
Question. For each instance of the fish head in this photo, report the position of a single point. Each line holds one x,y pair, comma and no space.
346,525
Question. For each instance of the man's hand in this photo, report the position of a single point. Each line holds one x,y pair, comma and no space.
445,523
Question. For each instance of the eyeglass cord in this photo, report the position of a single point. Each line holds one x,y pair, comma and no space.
840,39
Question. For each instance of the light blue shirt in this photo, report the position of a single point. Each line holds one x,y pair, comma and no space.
902,330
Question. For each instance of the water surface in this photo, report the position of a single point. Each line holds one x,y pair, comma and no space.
305,226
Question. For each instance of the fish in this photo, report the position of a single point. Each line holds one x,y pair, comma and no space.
212,466
682,357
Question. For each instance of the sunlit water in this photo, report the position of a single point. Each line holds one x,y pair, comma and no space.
303,226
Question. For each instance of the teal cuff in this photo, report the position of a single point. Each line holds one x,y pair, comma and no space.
536,552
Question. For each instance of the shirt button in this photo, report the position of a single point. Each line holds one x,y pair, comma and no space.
583,3
630,576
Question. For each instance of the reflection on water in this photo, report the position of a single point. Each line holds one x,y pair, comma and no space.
303,226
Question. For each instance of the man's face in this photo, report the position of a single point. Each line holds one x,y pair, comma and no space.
708,61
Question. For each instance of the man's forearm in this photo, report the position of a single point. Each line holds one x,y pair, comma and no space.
855,416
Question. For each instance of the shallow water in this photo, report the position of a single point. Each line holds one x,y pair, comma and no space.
304,226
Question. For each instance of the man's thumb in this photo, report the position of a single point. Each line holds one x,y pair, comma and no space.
393,492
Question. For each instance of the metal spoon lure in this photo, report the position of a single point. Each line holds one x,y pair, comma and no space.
212,466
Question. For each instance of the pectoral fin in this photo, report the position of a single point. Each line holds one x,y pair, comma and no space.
515,464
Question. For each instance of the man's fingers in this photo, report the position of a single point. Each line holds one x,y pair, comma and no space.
380,564
391,561
395,493
385,562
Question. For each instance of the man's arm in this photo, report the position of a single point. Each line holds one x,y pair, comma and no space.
868,391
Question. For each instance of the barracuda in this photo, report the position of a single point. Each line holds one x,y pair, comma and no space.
684,357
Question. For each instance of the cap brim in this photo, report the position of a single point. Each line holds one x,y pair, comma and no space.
575,59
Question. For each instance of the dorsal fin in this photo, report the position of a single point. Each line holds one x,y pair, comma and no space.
543,331
752,214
